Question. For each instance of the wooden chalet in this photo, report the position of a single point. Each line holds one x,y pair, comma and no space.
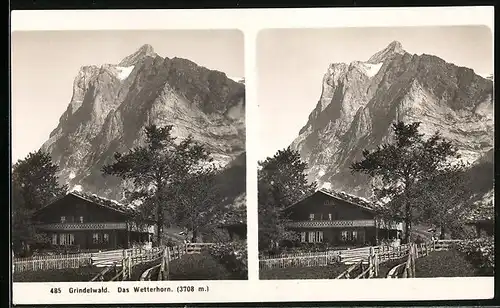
83,221
339,219
482,219
234,223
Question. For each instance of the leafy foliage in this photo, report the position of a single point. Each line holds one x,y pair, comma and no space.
196,200
34,185
443,198
481,253
281,182
399,165
234,256
155,169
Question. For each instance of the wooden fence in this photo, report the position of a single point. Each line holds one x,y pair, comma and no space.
372,256
98,259
196,247
165,255
408,268
41,263
363,269
301,260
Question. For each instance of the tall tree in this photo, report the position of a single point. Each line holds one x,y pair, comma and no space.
196,199
152,169
399,165
34,185
444,198
282,182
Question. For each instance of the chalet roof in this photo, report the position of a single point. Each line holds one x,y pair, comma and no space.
101,201
233,216
343,196
107,203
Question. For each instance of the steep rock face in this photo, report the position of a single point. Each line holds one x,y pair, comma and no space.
360,100
112,104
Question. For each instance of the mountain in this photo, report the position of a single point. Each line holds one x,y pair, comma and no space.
112,103
361,99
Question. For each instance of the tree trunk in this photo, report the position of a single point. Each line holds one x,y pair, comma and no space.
159,224
195,235
442,234
407,223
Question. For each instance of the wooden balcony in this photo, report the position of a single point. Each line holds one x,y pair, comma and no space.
83,226
331,223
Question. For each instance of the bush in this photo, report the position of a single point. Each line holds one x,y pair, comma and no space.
234,256
481,253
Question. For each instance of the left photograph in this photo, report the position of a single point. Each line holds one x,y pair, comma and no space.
128,156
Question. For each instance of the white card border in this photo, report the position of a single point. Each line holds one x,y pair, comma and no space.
250,21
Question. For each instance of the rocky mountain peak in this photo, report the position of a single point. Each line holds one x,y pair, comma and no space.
111,105
360,100
144,51
394,48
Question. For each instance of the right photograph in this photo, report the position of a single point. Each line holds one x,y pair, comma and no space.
375,152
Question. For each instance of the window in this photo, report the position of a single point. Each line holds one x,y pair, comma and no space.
106,238
81,219
311,216
62,239
302,237
344,235
63,219
320,216
349,236
66,239
330,216
319,236
95,238
313,237
54,238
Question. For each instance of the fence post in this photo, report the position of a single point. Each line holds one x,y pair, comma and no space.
167,264
414,266
370,263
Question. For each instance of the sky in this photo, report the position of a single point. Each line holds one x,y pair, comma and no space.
44,65
291,64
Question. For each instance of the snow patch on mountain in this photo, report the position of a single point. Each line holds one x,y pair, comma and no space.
372,69
124,72
237,79
77,188
326,185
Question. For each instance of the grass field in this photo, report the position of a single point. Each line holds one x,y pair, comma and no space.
316,272
199,267
70,274
449,263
